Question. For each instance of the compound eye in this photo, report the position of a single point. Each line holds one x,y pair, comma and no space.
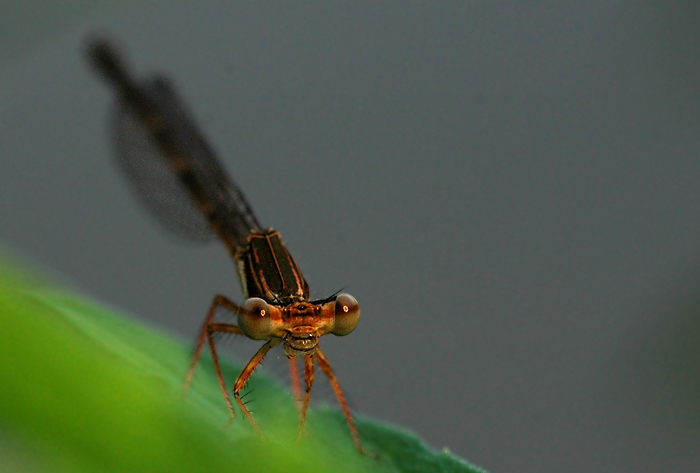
255,319
347,314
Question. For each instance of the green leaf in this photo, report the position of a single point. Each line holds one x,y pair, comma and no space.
85,389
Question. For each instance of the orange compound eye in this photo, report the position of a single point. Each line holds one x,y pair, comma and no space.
255,319
347,314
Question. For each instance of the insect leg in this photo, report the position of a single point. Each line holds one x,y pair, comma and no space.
208,328
245,375
309,381
326,368
294,375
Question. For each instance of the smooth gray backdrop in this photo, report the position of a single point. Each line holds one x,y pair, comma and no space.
511,191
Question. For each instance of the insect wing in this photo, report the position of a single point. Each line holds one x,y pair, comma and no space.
181,183
157,186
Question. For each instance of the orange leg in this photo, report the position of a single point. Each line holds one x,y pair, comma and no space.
294,375
208,328
326,368
309,381
245,376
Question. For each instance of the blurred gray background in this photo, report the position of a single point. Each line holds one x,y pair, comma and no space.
511,191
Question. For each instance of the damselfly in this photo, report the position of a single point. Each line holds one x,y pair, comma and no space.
180,179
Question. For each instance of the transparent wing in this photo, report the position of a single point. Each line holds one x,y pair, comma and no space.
174,171
158,187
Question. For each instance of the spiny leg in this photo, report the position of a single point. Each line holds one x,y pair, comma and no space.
245,375
222,384
208,328
309,381
326,368
219,301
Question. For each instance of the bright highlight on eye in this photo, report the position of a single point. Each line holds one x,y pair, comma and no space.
347,314
252,319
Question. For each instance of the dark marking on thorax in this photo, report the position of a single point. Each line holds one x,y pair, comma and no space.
268,271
